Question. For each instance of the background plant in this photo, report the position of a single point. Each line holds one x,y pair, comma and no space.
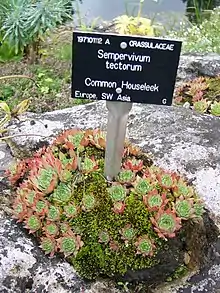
25,22
134,25
103,228
203,37
197,10
7,113
202,94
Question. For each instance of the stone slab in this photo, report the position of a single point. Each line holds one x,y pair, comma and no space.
25,268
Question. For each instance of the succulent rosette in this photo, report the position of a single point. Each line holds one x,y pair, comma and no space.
154,200
166,223
145,246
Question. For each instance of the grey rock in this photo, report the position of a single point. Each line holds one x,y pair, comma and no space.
5,157
195,65
24,267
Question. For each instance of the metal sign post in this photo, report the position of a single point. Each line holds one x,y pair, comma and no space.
116,130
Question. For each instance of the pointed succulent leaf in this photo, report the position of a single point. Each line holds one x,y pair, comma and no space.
117,192
51,229
151,173
167,180
31,197
131,150
166,223
65,136
118,207
97,138
198,209
154,201
46,180
201,106
89,165
128,232
143,186
53,213
184,208
133,165
65,175
70,244
76,139
41,207
19,210
215,108
16,172
64,227
182,189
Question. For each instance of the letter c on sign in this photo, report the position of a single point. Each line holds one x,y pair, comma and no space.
131,44
88,81
164,101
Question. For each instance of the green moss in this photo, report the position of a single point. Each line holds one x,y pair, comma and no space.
97,153
180,272
96,258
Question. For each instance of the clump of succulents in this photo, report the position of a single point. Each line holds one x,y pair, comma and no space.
143,186
69,244
88,202
62,196
133,165
202,94
48,245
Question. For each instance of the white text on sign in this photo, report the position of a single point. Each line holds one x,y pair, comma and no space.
123,85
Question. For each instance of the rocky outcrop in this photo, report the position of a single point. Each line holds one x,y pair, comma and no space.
24,267
195,65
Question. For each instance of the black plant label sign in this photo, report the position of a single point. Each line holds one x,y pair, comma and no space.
132,69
